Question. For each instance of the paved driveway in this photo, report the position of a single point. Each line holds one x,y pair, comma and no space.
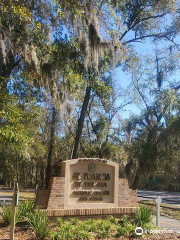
167,197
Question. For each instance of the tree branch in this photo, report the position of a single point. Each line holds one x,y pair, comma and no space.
164,35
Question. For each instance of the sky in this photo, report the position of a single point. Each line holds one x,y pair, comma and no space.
122,79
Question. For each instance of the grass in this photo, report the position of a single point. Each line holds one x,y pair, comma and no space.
39,222
6,214
143,216
22,211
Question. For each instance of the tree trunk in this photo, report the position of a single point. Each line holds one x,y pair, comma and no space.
136,182
51,146
131,172
42,176
24,174
37,170
100,152
81,123
137,178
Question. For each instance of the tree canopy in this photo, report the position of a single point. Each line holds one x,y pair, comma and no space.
59,99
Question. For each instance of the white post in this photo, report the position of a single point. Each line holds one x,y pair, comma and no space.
14,204
158,205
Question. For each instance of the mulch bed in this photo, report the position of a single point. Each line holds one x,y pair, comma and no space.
23,233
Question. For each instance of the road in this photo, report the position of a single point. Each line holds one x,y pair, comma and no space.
167,197
6,195
7,200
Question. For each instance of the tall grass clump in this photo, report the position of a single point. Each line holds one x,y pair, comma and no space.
24,209
6,214
39,221
143,216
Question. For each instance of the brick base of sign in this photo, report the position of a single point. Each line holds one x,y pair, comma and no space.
126,197
52,200
90,212
42,197
53,197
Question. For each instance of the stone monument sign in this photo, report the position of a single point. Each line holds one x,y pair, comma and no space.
90,182
87,186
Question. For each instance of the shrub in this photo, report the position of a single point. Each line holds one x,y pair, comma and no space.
128,229
75,229
6,214
121,231
104,228
143,216
39,224
74,221
64,233
80,233
91,225
113,220
59,221
72,229
24,209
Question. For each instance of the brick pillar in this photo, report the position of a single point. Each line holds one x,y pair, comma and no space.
127,197
56,193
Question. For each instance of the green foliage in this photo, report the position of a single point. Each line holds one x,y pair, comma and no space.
6,214
99,228
39,223
128,227
20,138
24,209
143,216
91,225
113,220
36,56
88,229
104,229
16,119
73,229
127,230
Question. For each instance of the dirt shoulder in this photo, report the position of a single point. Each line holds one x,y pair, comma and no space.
167,210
